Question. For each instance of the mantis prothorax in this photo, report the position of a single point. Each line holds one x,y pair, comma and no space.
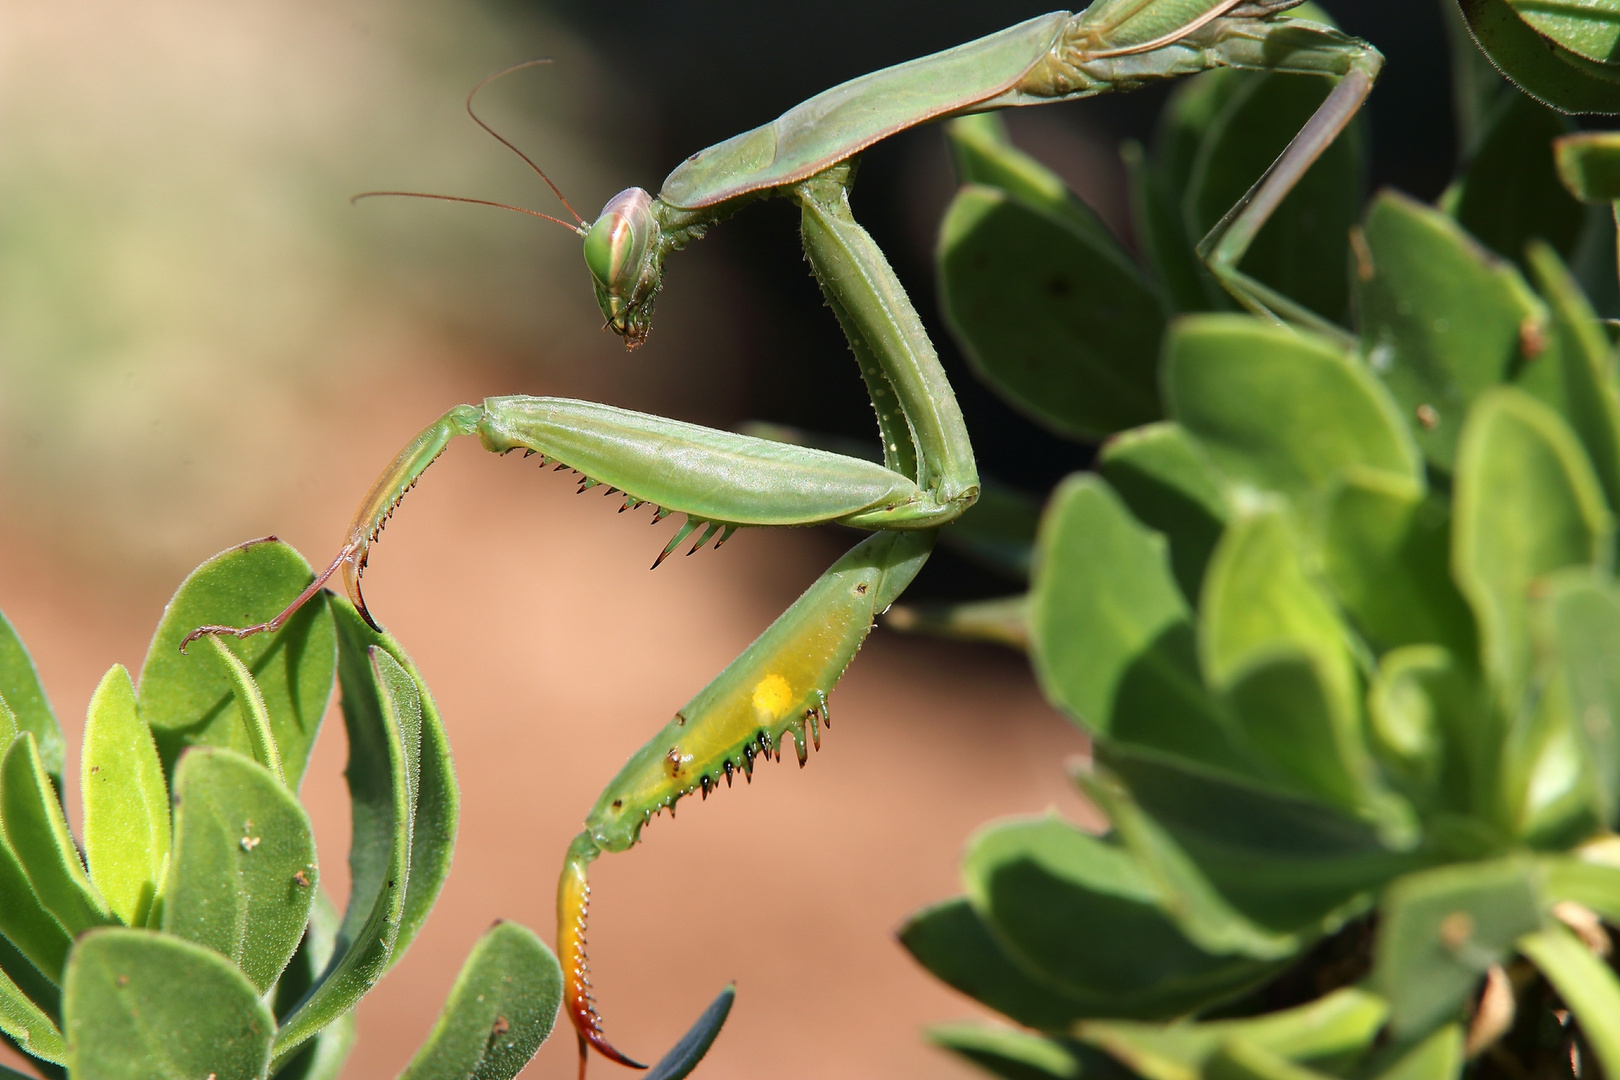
778,687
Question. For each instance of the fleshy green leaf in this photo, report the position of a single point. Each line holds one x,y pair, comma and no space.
142,1004
30,709
1537,65
500,1010
1441,930
189,700
1279,410
1592,885
1584,613
1239,1059
1587,985
1441,318
1111,635
24,920
1511,193
952,942
38,835
250,705
27,1024
1422,710
1169,485
243,873
126,802
1439,1057
684,1056
1020,1055
1526,504
1061,326
1034,880
322,1057
1588,30
1589,165
1343,1022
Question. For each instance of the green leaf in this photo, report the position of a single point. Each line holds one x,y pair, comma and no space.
24,920
243,874
1061,326
1034,880
1439,1057
1161,233
953,943
322,1057
1386,551
1441,319
1589,165
27,1024
126,803
1303,249
1111,635
1584,613
1589,30
1280,410
1239,1059
382,713
1001,621
189,700
142,1004
1343,1022
1020,1055
500,1010
30,709
1511,193
38,835
1586,391
684,1056
1587,985
1592,885
1287,864
1538,66
1169,485
1526,504
250,704
1423,709
1440,931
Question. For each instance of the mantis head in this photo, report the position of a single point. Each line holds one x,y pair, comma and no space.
624,252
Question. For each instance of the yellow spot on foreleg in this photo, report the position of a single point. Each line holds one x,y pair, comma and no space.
773,695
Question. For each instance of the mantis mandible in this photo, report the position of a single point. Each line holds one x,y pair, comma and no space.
777,689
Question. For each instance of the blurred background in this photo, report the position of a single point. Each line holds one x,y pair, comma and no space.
201,341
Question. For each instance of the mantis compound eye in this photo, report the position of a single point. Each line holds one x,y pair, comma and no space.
617,244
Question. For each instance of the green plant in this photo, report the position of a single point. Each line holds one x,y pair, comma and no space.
192,939
1338,611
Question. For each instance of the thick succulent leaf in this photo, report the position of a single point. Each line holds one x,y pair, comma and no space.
1589,165
322,1057
190,700
142,1004
1021,1055
1537,65
1280,410
251,707
1062,327
952,942
1440,931
1272,643
126,802
1240,1059
26,923
1592,885
1170,486
243,874
1441,318
1439,1057
1511,193
1286,863
685,1055
27,1024
382,712
25,700
434,793
1583,611
1303,249
1034,880
38,835
1161,232
1342,1023
1582,385
1587,985
1526,504
1001,621
1386,551
500,1010
1111,634
1423,709
1588,30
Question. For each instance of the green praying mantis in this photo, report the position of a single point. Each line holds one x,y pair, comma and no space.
721,481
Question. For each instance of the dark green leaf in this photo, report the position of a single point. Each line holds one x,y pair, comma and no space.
1511,193
1586,984
24,920
1063,328
38,835
1423,712
1439,1057
243,874
30,709
500,1010
684,1056
1441,318
1240,1059
1541,68
142,1004
1033,881
189,700
27,1024
1441,930
1160,231
1020,1055
1585,29
126,802
322,1057
1589,165
1169,486
1111,635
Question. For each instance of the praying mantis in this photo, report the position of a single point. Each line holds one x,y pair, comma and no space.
721,481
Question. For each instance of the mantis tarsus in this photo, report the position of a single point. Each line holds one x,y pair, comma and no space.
777,689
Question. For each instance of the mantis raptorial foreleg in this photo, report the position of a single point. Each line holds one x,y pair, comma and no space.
721,480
